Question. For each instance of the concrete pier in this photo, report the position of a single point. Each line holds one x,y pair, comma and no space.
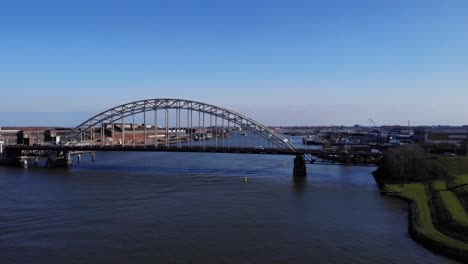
300,169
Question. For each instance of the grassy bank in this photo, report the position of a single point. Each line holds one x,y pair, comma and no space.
457,169
416,192
438,208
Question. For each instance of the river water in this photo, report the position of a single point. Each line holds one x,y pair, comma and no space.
197,208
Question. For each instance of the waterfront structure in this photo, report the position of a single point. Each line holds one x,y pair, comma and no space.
449,135
173,125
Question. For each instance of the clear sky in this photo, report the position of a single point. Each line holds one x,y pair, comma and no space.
280,62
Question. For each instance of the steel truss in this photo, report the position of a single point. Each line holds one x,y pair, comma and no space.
143,106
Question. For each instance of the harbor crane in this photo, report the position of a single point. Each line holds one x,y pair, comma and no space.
373,122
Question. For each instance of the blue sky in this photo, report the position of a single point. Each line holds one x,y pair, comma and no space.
280,62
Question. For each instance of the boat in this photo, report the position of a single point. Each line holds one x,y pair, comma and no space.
312,140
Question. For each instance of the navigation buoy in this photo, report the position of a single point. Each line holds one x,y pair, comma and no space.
246,179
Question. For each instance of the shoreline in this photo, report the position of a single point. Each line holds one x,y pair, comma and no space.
419,231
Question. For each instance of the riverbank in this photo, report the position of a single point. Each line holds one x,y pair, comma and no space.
438,217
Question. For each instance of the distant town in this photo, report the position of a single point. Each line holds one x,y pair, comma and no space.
448,140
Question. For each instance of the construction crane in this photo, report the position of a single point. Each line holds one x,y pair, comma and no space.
373,122
410,130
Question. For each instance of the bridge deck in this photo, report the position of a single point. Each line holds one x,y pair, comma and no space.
152,148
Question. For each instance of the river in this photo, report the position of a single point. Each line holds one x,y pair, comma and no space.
197,208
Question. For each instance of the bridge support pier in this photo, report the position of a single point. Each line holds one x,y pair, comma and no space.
300,169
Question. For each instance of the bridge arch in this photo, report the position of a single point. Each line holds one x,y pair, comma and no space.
130,110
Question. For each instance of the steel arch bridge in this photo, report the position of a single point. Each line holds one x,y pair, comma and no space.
173,125
175,121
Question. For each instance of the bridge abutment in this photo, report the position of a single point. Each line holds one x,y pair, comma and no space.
11,157
2,153
300,169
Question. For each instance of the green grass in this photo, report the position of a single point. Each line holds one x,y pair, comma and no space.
457,169
439,185
455,165
417,193
461,190
450,202
454,207
459,180
441,213
462,194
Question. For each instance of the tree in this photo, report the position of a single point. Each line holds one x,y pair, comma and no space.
408,163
